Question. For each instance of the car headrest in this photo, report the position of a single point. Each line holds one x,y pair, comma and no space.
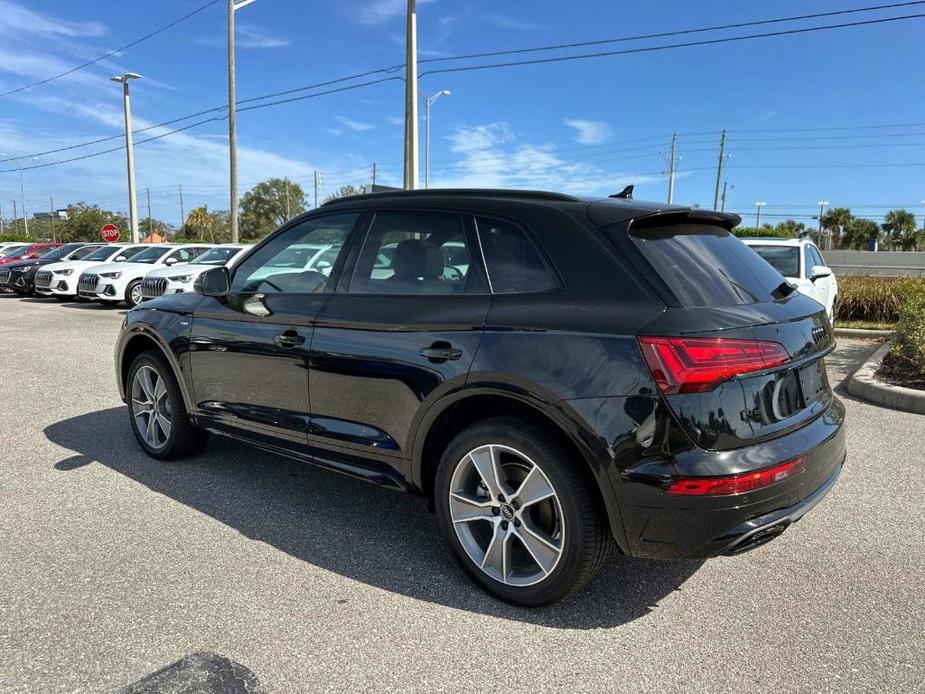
415,258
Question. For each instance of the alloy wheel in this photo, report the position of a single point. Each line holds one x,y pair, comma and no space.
151,407
506,515
135,294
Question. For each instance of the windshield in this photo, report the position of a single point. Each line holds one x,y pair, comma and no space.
151,255
784,259
13,251
706,265
62,251
216,256
84,252
103,253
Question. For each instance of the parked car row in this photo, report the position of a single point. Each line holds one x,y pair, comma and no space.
109,273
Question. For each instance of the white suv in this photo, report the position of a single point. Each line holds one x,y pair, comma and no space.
60,279
801,263
167,280
121,282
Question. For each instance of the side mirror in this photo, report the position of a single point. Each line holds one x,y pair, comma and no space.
119,259
170,261
819,271
213,282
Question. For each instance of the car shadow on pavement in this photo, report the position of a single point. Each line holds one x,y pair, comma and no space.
379,537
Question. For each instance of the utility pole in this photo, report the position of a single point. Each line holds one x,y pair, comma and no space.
316,190
719,168
671,167
14,215
288,216
1,219
51,202
374,177
822,204
723,206
233,6
129,151
411,98
182,211
150,229
758,206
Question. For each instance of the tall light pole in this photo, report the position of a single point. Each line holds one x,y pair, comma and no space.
822,204
411,98
723,203
233,6
428,102
758,206
22,187
129,151
671,167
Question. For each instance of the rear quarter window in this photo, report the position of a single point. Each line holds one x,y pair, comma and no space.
705,265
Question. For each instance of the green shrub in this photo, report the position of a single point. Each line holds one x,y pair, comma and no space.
909,341
876,299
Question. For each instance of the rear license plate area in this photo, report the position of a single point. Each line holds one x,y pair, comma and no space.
813,381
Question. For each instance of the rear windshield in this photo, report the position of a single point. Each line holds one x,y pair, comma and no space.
706,265
784,259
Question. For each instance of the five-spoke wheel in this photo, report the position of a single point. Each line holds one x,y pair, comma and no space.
506,515
518,508
151,407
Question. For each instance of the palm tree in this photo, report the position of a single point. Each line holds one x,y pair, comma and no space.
790,227
900,225
199,221
857,233
837,219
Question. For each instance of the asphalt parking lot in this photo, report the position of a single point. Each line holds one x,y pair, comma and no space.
290,579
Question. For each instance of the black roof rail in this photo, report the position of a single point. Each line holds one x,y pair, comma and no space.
461,192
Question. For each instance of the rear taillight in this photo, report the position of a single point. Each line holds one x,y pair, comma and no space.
737,484
697,364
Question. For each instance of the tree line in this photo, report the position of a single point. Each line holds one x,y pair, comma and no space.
897,232
262,209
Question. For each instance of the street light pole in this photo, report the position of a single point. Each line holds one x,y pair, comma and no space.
822,204
725,185
411,98
671,167
129,151
233,6
428,102
758,206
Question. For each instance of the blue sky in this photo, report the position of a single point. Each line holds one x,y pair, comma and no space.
587,126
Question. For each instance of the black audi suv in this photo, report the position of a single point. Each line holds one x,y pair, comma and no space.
556,376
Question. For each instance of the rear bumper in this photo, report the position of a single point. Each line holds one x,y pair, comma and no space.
663,526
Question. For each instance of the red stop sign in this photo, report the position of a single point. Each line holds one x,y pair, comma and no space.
110,233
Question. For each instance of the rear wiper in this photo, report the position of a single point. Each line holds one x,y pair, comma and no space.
784,289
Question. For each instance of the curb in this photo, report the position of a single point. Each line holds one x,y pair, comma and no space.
864,385
863,334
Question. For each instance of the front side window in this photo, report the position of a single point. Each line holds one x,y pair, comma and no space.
817,256
413,253
13,251
298,261
186,254
808,261
62,251
514,263
84,252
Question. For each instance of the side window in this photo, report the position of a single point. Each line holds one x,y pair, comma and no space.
807,261
184,255
298,261
413,253
513,261
817,256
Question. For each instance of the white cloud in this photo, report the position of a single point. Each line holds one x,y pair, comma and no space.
16,19
336,132
356,125
502,22
493,156
589,132
248,36
379,11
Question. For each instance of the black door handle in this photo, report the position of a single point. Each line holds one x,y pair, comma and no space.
290,338
441,352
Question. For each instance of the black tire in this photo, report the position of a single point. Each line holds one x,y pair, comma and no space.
128,293
588,540
184,439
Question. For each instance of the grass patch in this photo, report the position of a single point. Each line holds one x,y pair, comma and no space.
875,299
864,325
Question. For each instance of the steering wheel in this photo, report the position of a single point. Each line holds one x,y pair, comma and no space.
458,274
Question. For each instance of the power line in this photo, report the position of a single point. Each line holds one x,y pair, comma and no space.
688,44
666,34
112,52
